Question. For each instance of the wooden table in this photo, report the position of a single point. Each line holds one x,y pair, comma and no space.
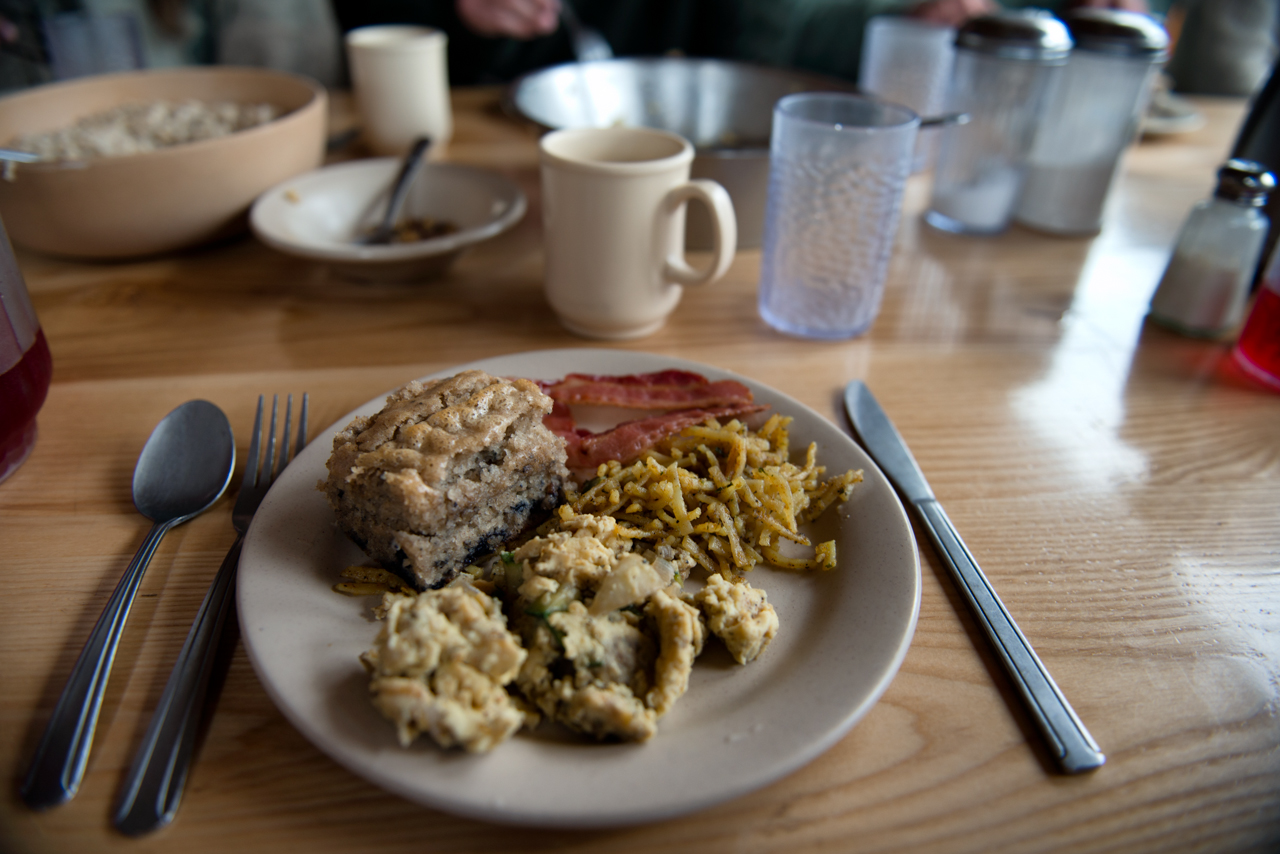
1118,484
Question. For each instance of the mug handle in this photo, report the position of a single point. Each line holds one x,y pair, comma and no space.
724,231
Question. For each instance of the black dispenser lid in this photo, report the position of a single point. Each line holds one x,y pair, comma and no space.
1030,34
1118,33
1245,182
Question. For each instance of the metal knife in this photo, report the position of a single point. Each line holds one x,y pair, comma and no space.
1068,740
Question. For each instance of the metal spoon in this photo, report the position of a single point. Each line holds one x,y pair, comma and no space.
589,45
399,190
182,470
14,156
944,119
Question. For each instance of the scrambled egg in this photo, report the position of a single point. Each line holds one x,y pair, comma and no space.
602,640
440,665
738,614
611,643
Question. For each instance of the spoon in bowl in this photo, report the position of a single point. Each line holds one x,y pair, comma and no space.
13,156
589,45
386,229
183,469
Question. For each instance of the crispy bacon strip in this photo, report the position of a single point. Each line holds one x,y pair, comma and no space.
670,389
560,421
689,398
630,439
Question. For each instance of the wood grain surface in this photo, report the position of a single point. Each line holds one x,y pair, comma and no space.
1119,484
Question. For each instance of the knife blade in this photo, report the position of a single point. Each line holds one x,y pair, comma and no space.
1068,740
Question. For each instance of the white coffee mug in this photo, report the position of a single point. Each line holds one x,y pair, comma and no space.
400,78
613,208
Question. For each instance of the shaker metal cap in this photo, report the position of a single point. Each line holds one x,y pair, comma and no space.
1031,34
1110,31
1245,182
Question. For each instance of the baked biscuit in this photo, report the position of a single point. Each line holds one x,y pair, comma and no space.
446,472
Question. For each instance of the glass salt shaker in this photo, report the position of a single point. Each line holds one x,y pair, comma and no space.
1004,69
1206,285
1092,117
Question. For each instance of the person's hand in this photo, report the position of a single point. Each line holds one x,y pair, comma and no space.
518,19
952,13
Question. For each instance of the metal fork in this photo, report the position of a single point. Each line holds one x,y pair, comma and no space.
154,784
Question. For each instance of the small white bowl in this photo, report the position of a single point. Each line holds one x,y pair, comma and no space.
321,214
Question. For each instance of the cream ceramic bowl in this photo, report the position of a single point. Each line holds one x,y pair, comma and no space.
322,214
158,201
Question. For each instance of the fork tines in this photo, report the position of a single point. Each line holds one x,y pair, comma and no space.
255,475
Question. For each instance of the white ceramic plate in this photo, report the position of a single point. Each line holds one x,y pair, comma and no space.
320,215
843,635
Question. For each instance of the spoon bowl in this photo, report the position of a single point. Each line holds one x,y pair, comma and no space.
170,482
183,469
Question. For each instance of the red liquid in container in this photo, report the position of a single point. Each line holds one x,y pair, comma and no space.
22,391
1258,349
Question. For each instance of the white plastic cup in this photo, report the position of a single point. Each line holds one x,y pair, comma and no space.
838,164
908,62
401,81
